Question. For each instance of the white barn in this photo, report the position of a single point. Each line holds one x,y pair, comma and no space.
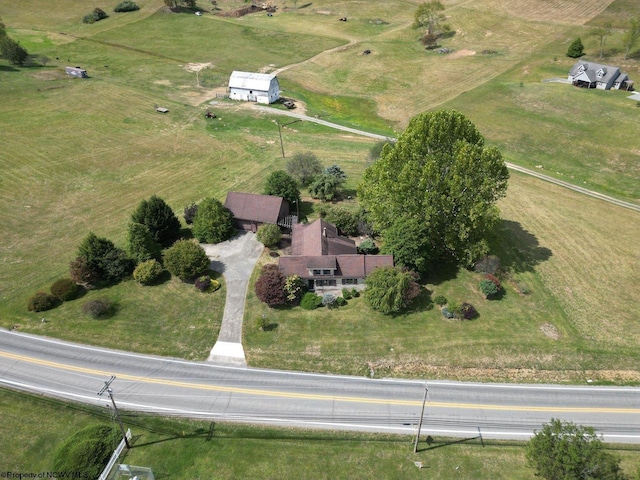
254,87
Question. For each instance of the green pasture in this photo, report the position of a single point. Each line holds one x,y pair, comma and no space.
79,155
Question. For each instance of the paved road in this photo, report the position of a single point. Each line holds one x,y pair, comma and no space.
511,166
204,390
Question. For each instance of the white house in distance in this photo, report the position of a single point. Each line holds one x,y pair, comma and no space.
594,75
254,87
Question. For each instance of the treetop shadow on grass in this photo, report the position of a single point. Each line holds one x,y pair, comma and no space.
8,68
518,249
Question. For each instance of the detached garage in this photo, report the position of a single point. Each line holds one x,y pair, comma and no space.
254,87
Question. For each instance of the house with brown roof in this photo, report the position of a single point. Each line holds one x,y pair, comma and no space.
251,210
327,260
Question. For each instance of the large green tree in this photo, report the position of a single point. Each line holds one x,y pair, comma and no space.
439,173
213,222
631,36
566,451
390,289
9,48
602,32
408,241
281,184
159,218
429,15
304,167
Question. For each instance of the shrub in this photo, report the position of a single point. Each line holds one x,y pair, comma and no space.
213,222
576,49
269,287
64,289
328,300
126,6
391,289
310,301
345,220
214,285
95,16
141,245
346,293
456,309
86,451
269,234
159,218
83,274
147,272
355,293
186,260
447,314
294,288
190,213
488,264
468,311
523,288
41,301
488,288
440,300
203,282
493,279
340,301
99,308
104,259
367,247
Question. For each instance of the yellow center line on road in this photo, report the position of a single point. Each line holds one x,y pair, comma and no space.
309,396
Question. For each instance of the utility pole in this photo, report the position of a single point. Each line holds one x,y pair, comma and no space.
107,389
280,133
281,144
424,400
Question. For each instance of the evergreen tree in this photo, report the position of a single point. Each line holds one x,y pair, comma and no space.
576,49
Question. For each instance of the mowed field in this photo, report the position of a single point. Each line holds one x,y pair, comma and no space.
79,155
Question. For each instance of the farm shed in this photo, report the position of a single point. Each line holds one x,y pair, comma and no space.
76,72
251,210
254,87
595,75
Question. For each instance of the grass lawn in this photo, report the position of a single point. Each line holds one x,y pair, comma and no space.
560,332
178,448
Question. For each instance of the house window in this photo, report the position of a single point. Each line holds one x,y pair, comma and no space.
317,272
349,281
326,272
325,283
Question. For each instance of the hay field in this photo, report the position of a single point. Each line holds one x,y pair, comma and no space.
79,155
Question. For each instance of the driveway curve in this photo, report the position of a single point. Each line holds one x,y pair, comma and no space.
235,259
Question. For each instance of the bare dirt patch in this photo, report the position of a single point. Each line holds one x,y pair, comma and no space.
550,331
461,54
166,83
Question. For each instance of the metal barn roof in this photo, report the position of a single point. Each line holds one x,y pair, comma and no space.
251,81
